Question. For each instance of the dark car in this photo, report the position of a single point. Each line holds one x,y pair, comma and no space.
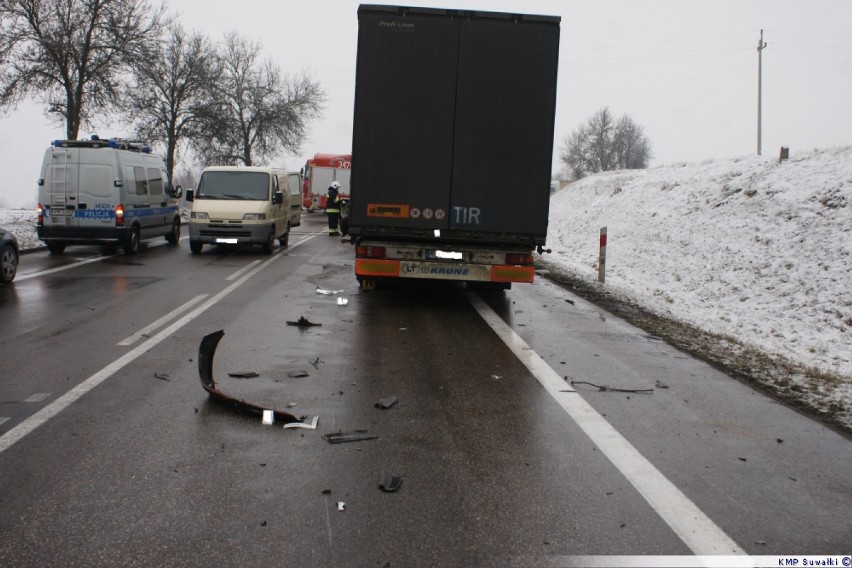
8,256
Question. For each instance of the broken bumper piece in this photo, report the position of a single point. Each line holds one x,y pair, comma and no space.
205,370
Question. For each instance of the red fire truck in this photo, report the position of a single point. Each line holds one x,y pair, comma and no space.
318,174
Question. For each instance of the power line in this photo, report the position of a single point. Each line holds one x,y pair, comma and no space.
616,59
662,41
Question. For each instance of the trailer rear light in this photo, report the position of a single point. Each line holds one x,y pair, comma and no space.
369,252
376,267
523,274
519,258
119,215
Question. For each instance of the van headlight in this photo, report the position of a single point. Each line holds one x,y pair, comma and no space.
199,215
254,217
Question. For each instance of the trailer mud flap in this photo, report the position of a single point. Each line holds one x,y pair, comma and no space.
205,370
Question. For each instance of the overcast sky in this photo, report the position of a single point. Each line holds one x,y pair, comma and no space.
685,70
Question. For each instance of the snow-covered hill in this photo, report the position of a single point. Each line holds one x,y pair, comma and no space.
750,248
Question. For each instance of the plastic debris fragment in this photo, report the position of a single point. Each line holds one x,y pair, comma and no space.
307,424
328,292
206,351
243,374
386,403
389,482
302,322
354,436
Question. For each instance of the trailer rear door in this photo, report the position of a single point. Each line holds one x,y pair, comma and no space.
454,119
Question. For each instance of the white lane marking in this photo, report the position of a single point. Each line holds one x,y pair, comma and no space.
145,331
21,277
37,397
65,267
73,395
3,419
693,527
239,272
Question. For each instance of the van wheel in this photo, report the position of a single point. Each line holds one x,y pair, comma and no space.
55,247
285,240
173,236
195,246
269,245
131,246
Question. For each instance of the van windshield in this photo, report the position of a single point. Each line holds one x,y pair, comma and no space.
233,185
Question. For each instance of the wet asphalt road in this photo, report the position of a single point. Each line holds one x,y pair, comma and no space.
111,452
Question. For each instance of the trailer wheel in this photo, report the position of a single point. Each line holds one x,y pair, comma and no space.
55,247
131,246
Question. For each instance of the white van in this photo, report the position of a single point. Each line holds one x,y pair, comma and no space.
237,205
105,191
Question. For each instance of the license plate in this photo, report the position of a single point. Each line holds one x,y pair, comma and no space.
444,255
59,212
226,241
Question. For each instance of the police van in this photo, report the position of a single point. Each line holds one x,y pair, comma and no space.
105,191
244,205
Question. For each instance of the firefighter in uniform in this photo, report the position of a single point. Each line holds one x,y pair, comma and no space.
332,209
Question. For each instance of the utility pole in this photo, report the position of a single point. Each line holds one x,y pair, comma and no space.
761,45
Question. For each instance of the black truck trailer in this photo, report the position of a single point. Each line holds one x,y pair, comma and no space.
453,141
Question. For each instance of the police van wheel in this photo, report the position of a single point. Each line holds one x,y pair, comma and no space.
269,245
285,240
173,236
55,247
131,246
195,246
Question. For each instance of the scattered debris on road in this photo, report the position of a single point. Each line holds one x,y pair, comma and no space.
243,374
303,322
297,374
661,385
386,403
389,482
341,506
162,376
305,424
613,389
342,301
353,436
328,292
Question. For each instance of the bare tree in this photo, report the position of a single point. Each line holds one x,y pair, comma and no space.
258,113
72,55
604,143
168,101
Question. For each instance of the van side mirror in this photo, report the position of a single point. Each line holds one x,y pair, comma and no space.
177,192
277,198
190,195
